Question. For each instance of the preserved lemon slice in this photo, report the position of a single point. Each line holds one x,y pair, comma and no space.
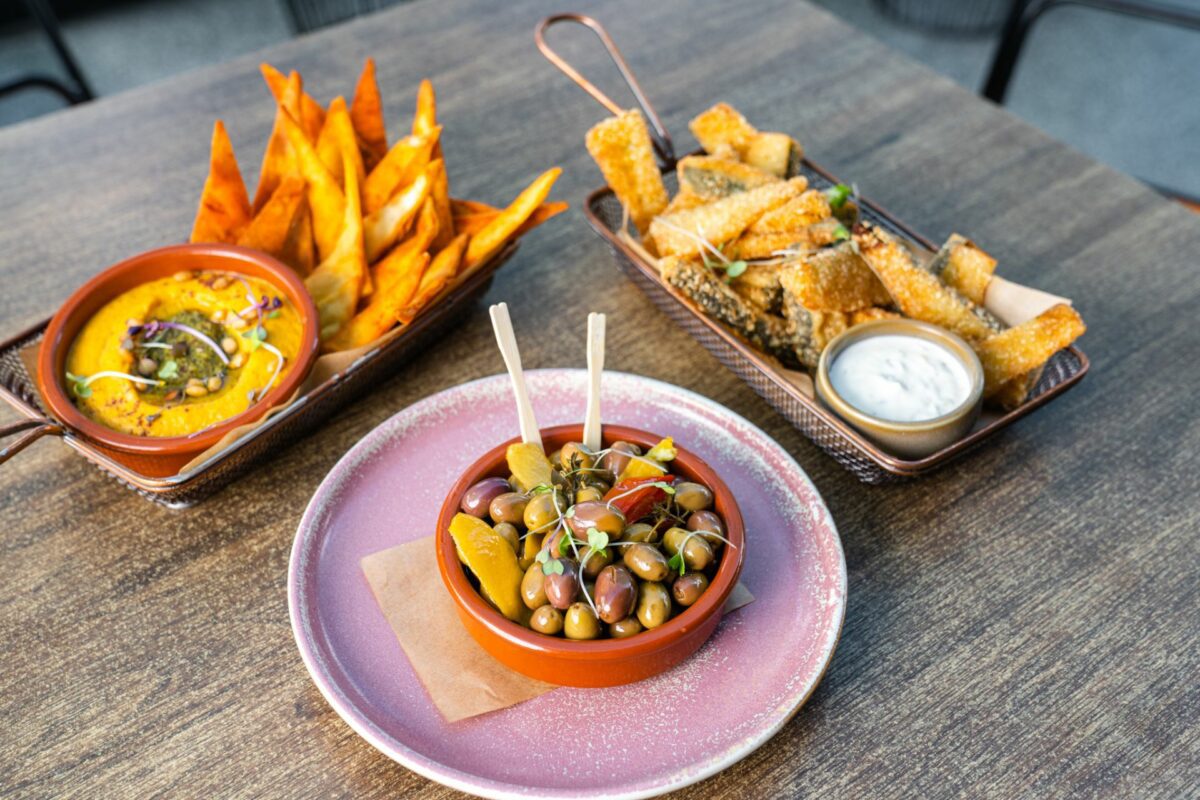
647,466
529,465
493,561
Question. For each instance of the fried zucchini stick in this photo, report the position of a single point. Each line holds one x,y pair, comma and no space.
1021,349
685,233
834,279
712,178
963,266
621,147
794,215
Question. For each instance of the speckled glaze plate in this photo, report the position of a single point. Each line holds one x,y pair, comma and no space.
630,741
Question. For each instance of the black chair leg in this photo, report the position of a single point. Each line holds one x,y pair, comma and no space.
81,92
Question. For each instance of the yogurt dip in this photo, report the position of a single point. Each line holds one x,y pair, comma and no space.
900,378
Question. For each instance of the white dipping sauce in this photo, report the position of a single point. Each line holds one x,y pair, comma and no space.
900,378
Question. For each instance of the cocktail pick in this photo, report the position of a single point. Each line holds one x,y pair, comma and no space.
507,340
595,363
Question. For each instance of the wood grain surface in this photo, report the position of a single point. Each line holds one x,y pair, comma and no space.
1025,623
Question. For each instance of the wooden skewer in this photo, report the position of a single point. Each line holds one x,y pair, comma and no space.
595,362
507,340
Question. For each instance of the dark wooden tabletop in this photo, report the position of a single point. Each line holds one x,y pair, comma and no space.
1023,623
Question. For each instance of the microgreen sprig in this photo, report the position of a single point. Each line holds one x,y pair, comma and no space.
837,195
676,562
81,384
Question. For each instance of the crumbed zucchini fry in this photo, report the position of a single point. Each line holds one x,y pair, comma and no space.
1013,393
864,315
720,221
811,330
963,266
768,245
834,279
621,147
712,178
776,153
796,214
684,199
916,292
722,127
1027,346
759,286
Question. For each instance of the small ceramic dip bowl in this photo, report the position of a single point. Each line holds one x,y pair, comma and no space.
912,438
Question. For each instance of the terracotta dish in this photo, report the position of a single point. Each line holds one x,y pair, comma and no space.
165,455
608,662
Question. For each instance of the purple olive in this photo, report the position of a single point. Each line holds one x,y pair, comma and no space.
562,589
477,499
595,514
616,592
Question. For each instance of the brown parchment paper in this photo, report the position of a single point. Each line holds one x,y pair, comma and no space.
462,679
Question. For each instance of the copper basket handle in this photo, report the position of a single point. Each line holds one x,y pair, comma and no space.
662,140
33,429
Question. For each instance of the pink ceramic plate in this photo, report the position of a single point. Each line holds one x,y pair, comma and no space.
631,741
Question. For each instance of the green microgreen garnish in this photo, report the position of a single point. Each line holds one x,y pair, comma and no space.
257,335
273,314
838,195
81,384
675,562
840,234
550,566
541,488
564,544
169,369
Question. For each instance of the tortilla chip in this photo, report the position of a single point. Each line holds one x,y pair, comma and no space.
493,236
326,201
278,160
384,227
400,167
273,228
336,283
224,206
437,277
312,116
337,137
366,113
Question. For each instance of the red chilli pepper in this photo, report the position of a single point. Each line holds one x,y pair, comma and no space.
637,504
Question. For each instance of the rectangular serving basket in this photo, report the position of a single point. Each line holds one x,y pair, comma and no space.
17,387
850,448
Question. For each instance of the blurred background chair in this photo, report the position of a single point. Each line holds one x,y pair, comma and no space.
75,89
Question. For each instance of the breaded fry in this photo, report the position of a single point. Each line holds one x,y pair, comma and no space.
621,147
871,314
1013,393
767,245
1027,346
721,129
712,178
963,266
776,153
834,279
684,199
916,292
720,221
759,286
811,330
810,207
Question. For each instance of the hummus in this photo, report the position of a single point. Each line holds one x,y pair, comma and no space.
174,356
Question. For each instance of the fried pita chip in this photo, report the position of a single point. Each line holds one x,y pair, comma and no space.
439,192
437,277
473,223
419,240
298,251
326,200
278,160
224,206
337,281
621,147
276,226
379,315
1025,347
337,137
384,226
366,112
462,208
400,167
312,116
493,236
425,117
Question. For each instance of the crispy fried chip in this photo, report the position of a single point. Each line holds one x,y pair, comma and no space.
796,214
425,117
622,149
963,266
1025,347
473,223
684,199
418,240
299,252
776,153
336,283
915,291
722,129
721,221
712,178
312,116
384,226
493,236
441,272
463,208
338,137
834,279
224,206
278,160
439,192
275,229
366,114
863,315
326,201
400,167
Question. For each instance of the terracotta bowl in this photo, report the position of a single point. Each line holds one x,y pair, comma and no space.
164,456
606,662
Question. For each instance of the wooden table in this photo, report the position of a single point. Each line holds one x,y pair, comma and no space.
1024,623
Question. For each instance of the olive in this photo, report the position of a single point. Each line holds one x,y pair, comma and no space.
653,604
533,586
594,514
595,561
540,512
697,553
601,486
477,499
692,496
616,592
574,455
581,622
555,543
708,523
510,534
556,456
647,562
640,532
561,590
508,507
547,620
617,458
687,588
624,628
529,549
588,494
589,589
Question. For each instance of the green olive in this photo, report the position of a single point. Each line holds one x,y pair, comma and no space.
624,628
540,512
697,553
529,549
555,457
573,456
686,589
580,622
589,494
508,507
708,523
547,620
595,561
693,496
595,514
646,561
533,586
510,534
653,604
640,532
